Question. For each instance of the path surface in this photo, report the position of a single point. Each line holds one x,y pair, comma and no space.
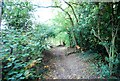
69,67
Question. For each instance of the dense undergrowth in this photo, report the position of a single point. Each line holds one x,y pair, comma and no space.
22,44
22,54
100,65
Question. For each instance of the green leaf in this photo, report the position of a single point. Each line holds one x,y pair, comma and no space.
8,65
12,73
19,75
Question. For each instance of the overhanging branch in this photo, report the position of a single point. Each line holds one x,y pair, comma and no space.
72,10
47,6
59,8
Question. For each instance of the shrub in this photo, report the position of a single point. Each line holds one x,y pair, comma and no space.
21,54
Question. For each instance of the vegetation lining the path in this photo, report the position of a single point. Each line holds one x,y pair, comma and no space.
87,26
22,44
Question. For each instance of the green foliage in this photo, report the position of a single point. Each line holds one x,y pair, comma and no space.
97,28
17,14
85,24
22,44
62,28
104,70
22,53
98,24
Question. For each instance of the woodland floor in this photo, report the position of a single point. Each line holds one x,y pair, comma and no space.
68,67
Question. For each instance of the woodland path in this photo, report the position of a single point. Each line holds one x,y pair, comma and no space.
69,67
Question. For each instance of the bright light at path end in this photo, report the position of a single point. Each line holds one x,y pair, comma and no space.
43,14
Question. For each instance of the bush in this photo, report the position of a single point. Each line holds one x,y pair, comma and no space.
17,14
22,45
21,54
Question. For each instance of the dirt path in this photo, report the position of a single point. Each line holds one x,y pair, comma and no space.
69,67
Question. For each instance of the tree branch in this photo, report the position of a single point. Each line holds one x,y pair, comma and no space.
72,10
47,6
107,49
75,3
71,20
68,16
59,8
